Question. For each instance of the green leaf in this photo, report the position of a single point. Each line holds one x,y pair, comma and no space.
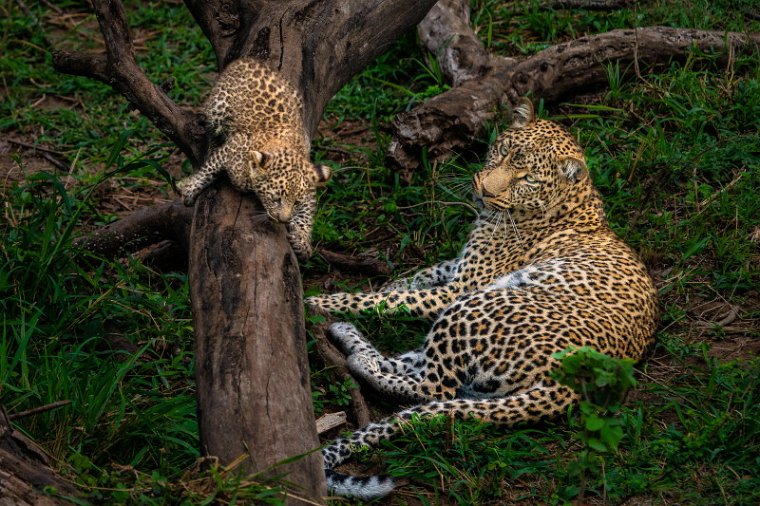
597,445
611,436
594,423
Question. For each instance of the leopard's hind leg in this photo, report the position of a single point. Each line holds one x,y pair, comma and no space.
352,342
546,399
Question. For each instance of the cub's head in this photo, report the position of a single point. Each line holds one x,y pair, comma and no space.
531,167
282,179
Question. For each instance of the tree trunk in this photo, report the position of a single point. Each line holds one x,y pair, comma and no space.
251,367
252,371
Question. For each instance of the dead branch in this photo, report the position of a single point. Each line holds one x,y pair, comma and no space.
166,227
364,263
334,358
559,70
118,68
39,409
329,421
142,228
483,83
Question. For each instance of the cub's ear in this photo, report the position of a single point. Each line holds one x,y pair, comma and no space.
573,168
319,174
259,158
523,113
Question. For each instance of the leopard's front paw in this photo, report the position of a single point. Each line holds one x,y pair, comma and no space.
185,188
395,285
363,365
346,336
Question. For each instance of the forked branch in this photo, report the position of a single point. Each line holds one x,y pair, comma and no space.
118,67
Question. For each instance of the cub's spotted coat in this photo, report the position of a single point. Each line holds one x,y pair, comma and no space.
541,272
265,148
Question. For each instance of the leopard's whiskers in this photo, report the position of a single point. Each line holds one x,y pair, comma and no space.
514,227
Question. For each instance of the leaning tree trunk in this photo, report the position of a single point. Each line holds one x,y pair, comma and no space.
251,366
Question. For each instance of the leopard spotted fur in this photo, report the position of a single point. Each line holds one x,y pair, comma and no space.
541,272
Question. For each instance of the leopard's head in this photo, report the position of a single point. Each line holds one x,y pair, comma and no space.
282,179
533,166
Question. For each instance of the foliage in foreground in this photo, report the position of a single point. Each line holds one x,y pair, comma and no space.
674,153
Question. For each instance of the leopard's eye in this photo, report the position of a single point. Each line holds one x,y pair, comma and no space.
529,179
503,150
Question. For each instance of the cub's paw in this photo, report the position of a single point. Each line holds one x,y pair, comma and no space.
303,250
185,188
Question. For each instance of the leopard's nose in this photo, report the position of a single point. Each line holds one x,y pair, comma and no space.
281,214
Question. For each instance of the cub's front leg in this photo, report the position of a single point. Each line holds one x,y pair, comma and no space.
192,186
300,227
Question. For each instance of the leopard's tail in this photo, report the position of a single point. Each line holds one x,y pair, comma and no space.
340,450
530,405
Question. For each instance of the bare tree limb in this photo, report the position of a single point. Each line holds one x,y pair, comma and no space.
558,70
140,229
365,263
25,470
118,67
168,225
219,21
39,409
335,359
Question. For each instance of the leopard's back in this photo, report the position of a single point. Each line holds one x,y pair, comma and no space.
250,97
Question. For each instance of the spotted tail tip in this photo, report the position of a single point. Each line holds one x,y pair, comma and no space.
358,487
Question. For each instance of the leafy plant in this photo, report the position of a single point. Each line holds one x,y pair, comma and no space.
602,382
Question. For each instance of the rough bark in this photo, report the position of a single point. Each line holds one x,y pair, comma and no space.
25,471
483,84
249,360
251,367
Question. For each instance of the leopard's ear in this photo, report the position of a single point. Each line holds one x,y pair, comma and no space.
259,158
319,174
523,114
573,168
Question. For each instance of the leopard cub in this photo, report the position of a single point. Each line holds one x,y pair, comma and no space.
265,148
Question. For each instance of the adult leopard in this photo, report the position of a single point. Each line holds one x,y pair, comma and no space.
541,271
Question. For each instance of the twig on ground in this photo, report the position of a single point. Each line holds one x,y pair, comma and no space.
329,421
39,409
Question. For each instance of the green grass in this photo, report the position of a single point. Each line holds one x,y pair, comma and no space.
675,155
